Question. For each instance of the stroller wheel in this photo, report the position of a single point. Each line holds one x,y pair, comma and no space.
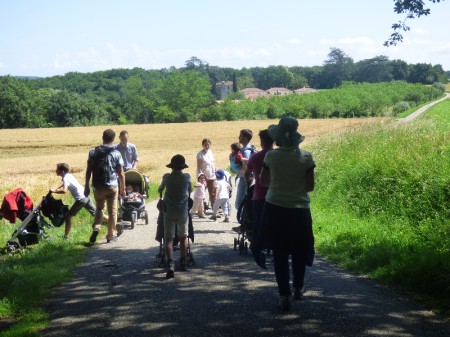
146,217
241,246
12,246
191,260
246,248
235,244
133,219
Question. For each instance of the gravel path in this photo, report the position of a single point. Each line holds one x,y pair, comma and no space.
120,291
420,111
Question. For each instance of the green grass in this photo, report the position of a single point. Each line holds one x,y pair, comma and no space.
382,204
27,277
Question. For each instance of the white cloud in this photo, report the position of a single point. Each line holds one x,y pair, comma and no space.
362,40
294,41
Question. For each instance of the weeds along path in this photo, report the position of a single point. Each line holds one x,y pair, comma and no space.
420,111
120,291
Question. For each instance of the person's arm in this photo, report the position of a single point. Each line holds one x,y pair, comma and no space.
59,190
199,165
135,159
310,181
162,186
247,176
121,177
264,177
87,190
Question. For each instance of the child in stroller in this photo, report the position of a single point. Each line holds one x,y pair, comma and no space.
132,207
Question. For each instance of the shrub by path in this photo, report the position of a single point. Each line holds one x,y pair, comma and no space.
119,291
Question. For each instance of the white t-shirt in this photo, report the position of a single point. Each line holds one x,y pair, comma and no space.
73,186
208,167
223,186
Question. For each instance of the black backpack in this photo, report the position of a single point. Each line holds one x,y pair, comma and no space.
54,209
101,166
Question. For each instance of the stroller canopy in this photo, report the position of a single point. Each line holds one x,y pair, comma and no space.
137,179
15,205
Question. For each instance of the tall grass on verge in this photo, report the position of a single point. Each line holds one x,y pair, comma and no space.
382,203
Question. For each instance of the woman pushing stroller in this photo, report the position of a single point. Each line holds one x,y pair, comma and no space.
178,187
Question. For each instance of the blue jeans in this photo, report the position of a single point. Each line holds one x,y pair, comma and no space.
241,191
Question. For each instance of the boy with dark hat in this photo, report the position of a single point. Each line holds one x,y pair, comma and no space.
178,187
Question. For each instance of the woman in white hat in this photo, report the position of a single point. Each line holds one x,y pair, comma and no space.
288,172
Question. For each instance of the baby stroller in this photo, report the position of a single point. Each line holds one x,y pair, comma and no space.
17,204
132,208
245,219
161,256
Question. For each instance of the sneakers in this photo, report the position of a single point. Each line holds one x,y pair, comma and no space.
93,237
213,217
285,303
201,215
226,219
183,264
114,239
170,270
298,294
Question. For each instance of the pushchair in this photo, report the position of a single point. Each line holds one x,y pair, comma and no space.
245,219
132,209
16,204
161,256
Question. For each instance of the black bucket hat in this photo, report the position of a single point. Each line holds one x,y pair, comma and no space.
285,133
177,162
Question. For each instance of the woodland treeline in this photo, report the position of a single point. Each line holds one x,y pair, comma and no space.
371,87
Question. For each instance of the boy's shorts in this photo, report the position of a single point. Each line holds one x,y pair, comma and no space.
86,202
175,221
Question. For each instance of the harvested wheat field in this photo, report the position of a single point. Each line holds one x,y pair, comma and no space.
29,156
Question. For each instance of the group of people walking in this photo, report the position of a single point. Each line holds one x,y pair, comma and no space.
282,178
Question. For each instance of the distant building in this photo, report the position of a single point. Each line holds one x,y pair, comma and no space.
224,89
279,91
253,93
305,90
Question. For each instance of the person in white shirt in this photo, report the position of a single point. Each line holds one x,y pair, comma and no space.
71,184
206,165
223,189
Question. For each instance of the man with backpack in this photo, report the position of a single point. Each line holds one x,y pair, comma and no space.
247,150
105,165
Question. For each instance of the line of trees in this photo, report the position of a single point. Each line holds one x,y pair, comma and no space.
122,96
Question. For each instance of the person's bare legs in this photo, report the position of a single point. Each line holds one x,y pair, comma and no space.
68,226
169,252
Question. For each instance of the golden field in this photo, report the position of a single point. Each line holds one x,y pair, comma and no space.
29,156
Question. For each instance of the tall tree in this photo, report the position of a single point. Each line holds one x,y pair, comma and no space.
373,70
337,69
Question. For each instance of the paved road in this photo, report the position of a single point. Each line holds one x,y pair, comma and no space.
120,291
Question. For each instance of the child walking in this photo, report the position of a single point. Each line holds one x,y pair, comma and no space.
223,189
199,196
176,213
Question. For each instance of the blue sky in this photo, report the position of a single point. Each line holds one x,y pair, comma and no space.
53,37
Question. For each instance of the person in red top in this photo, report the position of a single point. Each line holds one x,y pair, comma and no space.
253,170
